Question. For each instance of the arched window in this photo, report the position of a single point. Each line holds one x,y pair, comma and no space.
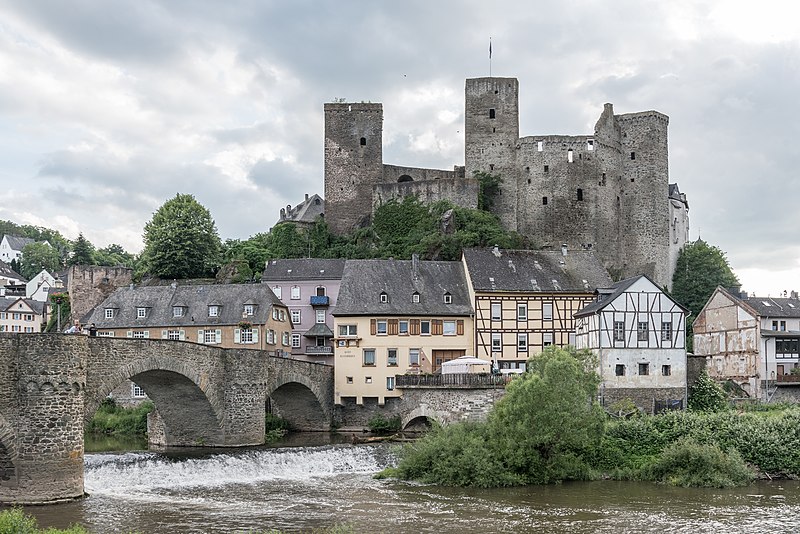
363,141
405,178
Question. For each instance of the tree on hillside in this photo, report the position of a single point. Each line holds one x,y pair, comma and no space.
114,256
82,252
38,256
488,189
181,241
700,269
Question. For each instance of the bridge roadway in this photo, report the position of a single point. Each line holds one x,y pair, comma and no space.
51,385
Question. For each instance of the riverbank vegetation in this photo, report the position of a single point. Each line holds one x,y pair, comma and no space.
547,430
16,521
114,420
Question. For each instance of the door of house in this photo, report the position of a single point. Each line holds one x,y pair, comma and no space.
780,370
441,356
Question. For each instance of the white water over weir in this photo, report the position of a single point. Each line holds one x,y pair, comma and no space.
299,489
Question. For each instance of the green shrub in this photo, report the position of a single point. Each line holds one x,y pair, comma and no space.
689,463
114,420
381,425
706,395
15,521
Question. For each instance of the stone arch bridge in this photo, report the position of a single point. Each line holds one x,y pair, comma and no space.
51,385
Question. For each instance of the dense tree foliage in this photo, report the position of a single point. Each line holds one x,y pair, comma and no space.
38,256
181,241
700,269
706,395
488,188
114,256
38,233
82,252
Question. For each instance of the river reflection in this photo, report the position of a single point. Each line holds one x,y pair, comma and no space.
302,488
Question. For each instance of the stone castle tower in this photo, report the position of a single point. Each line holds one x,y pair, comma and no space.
607,191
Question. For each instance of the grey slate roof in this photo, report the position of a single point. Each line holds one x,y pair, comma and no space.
18,243
296,270
8,302
8,272
545,271
159,301
305,212
604,295
363,282
787,308
319,330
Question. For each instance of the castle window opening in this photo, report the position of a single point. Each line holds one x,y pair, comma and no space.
491,113
569,155
544,201
546,168
529,180
539,145
363,141
633,155
603,181
590,144
579,194
405,178
494,130
491,166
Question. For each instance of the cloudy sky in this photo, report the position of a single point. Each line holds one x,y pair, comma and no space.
110,108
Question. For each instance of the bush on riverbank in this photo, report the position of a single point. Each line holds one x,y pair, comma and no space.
15,521
689,463
275,427
114,420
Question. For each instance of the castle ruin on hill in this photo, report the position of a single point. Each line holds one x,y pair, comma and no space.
607,191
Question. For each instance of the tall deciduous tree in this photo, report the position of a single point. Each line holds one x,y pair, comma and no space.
82,252
701,268
181,240
38,256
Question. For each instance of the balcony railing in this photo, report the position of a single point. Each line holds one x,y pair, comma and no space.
788,380
319,350
458,380
317,300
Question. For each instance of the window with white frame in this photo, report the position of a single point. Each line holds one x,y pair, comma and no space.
210,336
642,331
425,328
141,313
248,310
16,316
285,339
320,316
391,357
547,311
177,311
105,333
383,298
415,297
448,298
619,330
271,337
381,327
109,313
449,328
277,291
295,341
369,357
246,335
295,293
29,329
390,383
213,311
174,335
497,311
137,392
497,342
547,339
522,342
140,334
295,316
15,328
403,327
413,357
348,330
522,311
666,330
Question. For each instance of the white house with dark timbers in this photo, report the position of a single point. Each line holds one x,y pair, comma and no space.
639,336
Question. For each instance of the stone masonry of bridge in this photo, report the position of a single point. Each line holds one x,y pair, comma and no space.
51,384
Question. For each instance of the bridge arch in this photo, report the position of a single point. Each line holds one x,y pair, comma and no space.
8,454
424,412
299,400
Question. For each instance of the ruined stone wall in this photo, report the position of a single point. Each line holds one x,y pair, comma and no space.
89,285
461,192
353,162
644,398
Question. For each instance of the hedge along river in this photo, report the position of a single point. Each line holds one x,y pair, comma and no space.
310,487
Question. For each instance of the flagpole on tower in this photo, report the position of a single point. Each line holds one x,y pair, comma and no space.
490,57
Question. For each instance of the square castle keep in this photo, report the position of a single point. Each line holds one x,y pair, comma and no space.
608,191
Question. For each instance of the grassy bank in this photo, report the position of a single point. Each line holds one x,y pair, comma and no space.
15,521
113,420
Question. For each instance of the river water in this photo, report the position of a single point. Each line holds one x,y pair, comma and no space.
306,487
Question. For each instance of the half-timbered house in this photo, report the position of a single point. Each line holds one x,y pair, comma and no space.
524,300
639,336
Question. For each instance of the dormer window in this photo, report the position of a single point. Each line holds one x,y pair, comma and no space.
448,298
249,309
177,311
213,311
141,313
384,297
109,313
415,297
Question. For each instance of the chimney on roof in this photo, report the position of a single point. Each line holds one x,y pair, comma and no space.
496,251
564,249
306,196
793,295
415,266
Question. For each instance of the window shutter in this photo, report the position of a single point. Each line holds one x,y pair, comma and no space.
255,334
163,334
182,335
460,327
200,336
219,335
436,327
147,334
237,336
413,327
373,327
393,327
130,333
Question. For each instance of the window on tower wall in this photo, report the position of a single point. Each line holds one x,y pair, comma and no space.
579,194
363,141
491,113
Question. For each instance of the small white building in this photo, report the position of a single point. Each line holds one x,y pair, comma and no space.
639,336
38,286
11,247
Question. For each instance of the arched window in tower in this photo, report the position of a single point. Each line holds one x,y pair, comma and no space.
405,178
491,113
579,194
363,141
569,155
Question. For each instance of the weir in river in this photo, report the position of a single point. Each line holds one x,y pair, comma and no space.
302,488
